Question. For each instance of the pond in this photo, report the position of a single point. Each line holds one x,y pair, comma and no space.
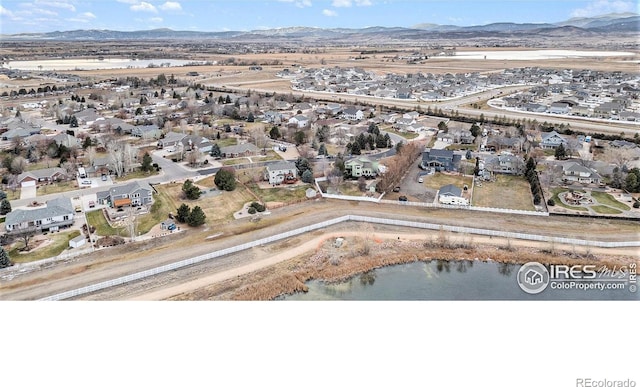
446,280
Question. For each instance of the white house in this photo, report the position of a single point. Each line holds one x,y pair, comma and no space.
552,140
299,120
281,172
353,114
574,172
55,214
450,194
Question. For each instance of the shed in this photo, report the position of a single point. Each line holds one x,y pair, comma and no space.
78,241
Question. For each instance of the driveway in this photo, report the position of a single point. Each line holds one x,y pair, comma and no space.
28,192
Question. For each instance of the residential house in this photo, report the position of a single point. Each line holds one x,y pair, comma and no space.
299,120
170,139
21,131
38,176
361,166
132,194
55,214
574,172
67,140
146,131
440,160
281,172
450,194
87,116
552,140
240,150
191,142
353,114
505,163
273,117
559,108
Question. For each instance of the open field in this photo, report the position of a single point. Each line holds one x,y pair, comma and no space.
282,194
507,191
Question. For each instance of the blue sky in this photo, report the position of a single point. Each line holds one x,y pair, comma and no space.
18,16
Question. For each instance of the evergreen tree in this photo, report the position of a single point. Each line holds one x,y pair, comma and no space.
322,150
5,206
225,179
250,117
147,162
302,165
215,150
86,143
196,217
274,133
355,148
560,153
307,176
183,213
4,258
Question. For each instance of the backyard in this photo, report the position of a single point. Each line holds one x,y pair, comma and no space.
507,191
54,244
439,179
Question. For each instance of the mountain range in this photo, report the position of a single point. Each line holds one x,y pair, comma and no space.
624,23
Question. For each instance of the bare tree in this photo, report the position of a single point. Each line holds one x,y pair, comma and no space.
25,233
617,156
194,157
18,165
116,150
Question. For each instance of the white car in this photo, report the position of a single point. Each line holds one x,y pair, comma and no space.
420,180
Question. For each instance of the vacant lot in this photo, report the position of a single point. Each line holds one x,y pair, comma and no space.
512,192
281,194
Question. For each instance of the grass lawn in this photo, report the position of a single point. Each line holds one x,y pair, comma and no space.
270,156
13,195
159,211
555,198
60,242
280,194
237,161
103,228
350,188
227,141
600,209
135,175
605,198
438,179
407,135
217,208
507,191
57,187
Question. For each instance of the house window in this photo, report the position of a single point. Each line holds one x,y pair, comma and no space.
49,220
66,217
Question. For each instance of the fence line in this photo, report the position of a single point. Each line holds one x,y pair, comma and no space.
356,218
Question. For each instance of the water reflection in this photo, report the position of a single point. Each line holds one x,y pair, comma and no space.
445,280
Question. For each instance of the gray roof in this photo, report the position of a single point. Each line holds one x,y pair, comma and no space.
54,207
41,173
450,190
281,165
128,188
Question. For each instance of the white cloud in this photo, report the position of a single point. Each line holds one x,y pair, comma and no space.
56,4
341,3
349,3
143,7
298,3
88,15
329,12
171,6
5,12
601,7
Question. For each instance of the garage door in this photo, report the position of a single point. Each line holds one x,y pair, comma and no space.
29,183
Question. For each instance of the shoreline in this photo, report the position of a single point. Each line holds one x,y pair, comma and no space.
360,254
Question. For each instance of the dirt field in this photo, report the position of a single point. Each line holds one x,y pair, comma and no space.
505,192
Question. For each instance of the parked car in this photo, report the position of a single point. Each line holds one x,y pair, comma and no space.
396,189
420,180
92,204
104,177
402,198
171,227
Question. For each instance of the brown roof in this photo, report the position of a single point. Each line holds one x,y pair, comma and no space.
122,202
